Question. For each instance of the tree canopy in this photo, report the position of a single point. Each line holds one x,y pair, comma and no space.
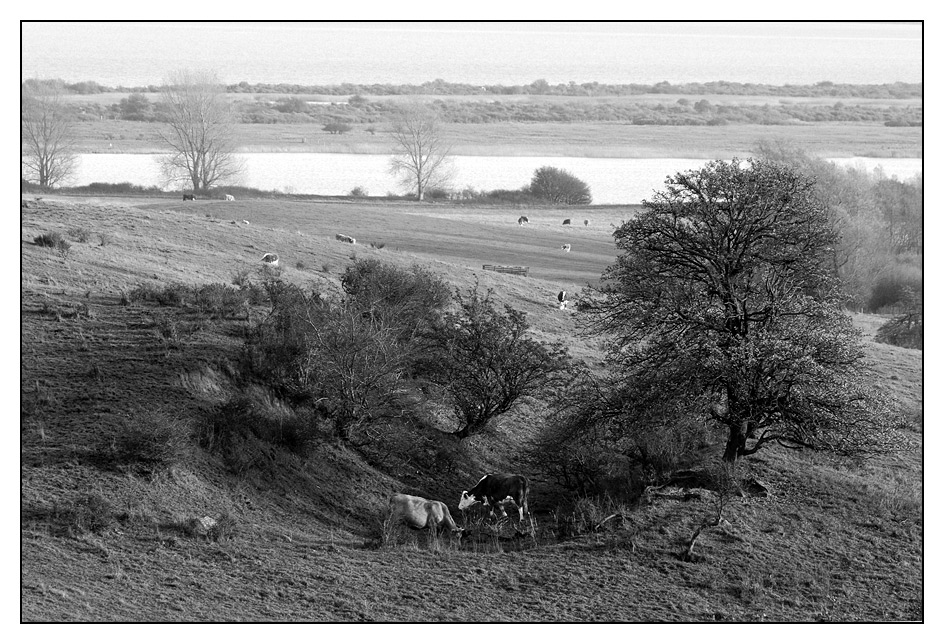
724,303
46,130
202,130
422,154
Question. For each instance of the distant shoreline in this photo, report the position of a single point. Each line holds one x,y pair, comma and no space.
590,140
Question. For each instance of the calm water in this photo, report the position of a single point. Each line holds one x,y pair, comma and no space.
142,53
610,180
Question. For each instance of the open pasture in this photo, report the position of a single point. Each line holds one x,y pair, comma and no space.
301,542
463,236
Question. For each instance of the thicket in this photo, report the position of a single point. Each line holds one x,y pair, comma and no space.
880,221
560,187
681,113
397,342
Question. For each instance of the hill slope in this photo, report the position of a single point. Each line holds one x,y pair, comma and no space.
297,538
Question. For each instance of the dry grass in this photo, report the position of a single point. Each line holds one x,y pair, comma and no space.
299,534
599,139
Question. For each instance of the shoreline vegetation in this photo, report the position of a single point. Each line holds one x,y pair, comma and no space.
591,140
692,120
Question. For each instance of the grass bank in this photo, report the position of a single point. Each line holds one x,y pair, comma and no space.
107,537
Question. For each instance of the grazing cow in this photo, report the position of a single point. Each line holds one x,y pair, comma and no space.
230,198
566,248
419,513
271,259
586,222
522,220
566,222
189,197
345,238
562,299
497,490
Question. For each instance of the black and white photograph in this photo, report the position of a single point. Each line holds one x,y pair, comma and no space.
472,322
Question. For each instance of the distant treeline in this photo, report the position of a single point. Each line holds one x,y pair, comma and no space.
340,116
542,88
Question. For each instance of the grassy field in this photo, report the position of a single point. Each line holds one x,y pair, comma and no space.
542,139
302,539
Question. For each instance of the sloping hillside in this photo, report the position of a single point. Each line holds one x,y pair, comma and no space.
298,538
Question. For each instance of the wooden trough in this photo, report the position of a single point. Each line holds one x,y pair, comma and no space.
517,270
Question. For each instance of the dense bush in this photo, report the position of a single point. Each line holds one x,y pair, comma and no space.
604,439
559,186
255,413
880,224
892,289
150,440
336,128
415,296
214,300
352,360
485,361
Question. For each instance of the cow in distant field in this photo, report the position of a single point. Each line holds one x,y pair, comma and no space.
522,220
497,490
419,513
586,222
189,197
562,299
566,222
566,248
271,259
345,238
229,198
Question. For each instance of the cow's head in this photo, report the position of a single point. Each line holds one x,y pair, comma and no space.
467,500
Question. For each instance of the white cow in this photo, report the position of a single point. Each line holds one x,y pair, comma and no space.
566,248
419,513
230,198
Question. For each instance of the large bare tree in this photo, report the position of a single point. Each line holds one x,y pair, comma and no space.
422,159
48,156
201,132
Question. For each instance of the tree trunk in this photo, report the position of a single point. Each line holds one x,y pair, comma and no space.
737,442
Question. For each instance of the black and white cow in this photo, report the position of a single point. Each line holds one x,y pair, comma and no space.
495,490
189,197
522,220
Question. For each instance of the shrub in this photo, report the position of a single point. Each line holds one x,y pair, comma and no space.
51,240
484,360
559,186
90,513
220,300
891,290
80,234
597,441
358,191
255,412
151,440
336,128
415,296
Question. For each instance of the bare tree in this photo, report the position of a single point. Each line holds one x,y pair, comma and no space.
422,159
202,130
47,133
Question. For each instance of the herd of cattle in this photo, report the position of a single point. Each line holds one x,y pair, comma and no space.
492,490
561,298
